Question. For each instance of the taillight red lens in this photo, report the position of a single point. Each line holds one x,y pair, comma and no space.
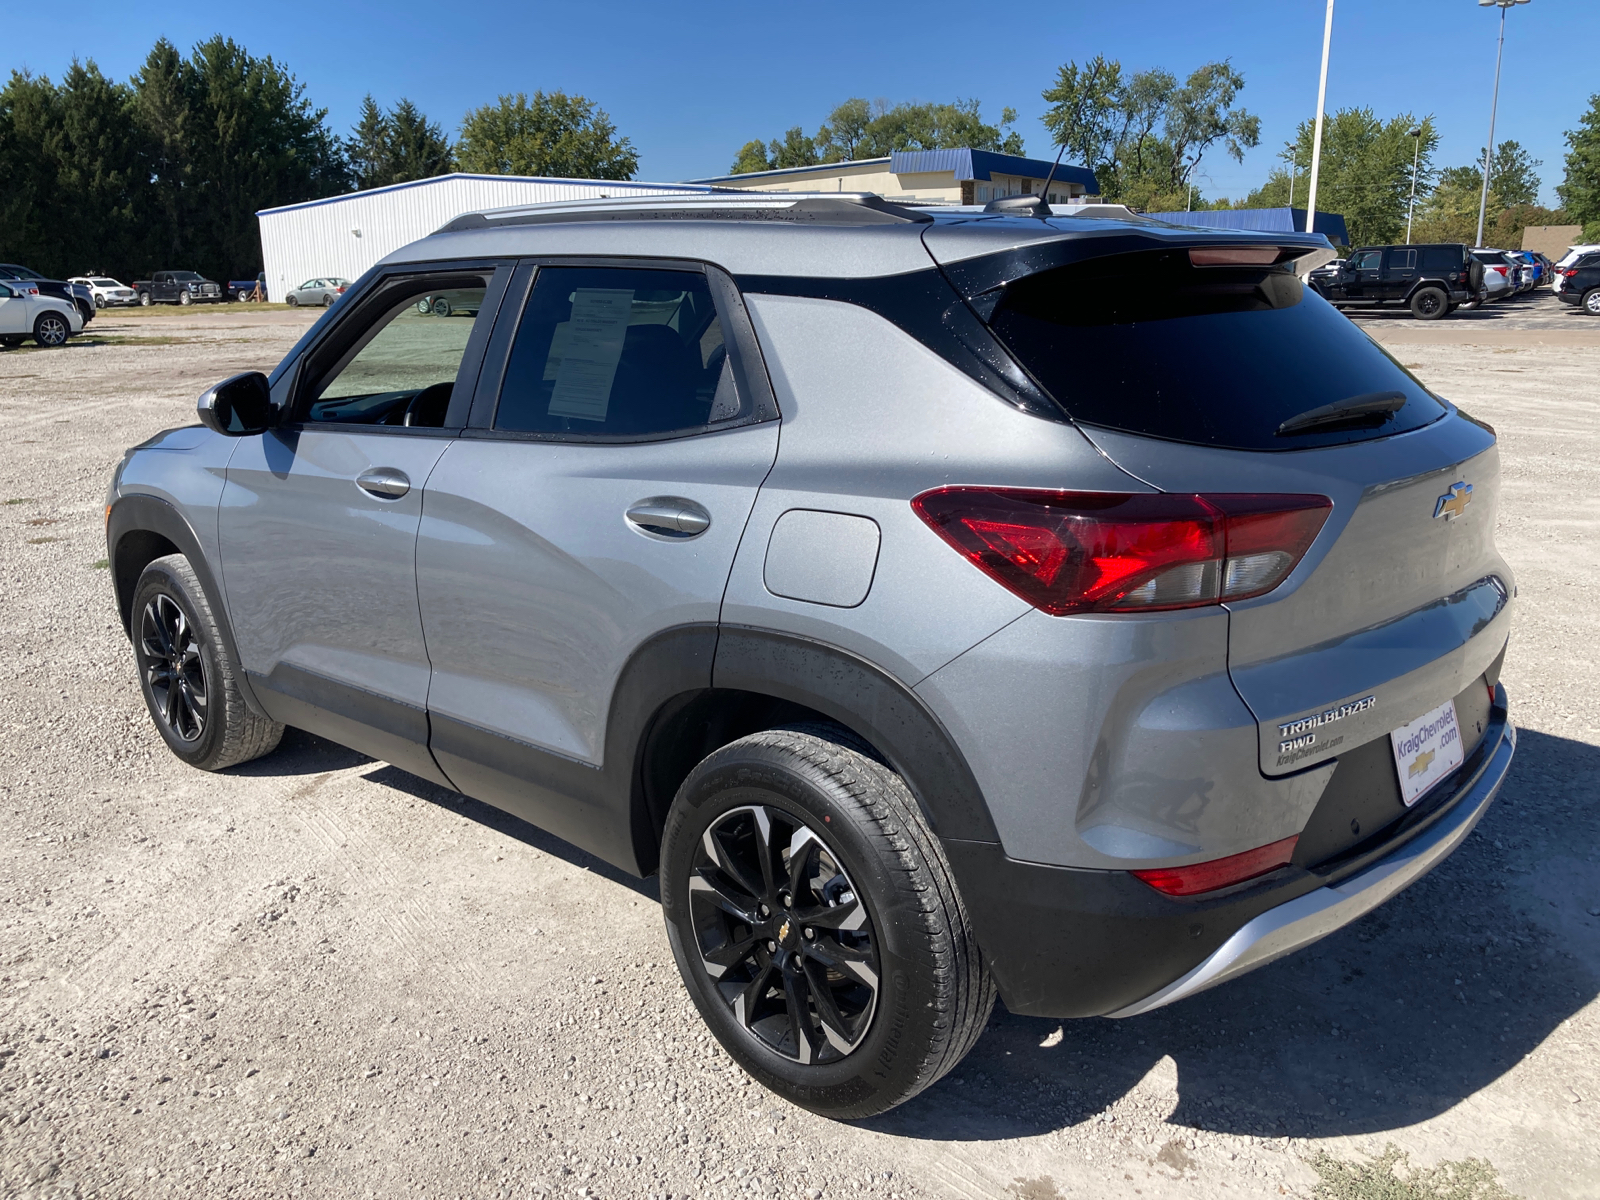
1219,872
1501,270
1077,552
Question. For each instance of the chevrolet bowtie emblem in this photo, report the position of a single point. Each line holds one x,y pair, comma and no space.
1454,502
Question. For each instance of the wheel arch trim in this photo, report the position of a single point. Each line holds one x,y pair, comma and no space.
139,514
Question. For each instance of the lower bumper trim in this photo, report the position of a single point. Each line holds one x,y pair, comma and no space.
1308,918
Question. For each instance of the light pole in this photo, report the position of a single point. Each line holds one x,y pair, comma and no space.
1322,99
1488,151
1415,156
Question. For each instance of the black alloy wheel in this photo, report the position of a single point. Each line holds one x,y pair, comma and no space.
51,329
781,932
1429,304
174,669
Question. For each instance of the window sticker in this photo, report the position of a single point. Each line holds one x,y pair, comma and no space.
591,348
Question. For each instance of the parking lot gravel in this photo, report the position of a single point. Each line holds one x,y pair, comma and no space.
316,975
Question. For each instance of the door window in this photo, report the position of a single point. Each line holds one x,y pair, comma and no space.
607,352
1367,260
1402,260
402,369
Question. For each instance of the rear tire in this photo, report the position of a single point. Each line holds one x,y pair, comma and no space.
1591,302
867,985
188,674
51,330
1429,304
144,299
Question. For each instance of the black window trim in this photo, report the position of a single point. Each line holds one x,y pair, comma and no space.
357,309
744,352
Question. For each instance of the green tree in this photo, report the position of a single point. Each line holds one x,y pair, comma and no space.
1450,212
1580,190
396,146
554,134
752,157
1145,135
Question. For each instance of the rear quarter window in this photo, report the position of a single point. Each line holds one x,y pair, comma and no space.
1217,356
1441,258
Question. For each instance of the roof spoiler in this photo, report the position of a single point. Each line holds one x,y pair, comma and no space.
772,208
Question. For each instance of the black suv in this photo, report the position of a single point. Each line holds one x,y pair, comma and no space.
1429,280
1580,283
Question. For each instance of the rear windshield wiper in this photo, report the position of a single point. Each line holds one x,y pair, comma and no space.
1365,407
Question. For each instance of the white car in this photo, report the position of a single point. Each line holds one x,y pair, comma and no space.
1573,254
24,313
106,292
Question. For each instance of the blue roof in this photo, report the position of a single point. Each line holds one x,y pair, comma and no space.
982,164
1266,220
965,164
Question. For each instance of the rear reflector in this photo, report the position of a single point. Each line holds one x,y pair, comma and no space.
1233,256
1078,552
1219,872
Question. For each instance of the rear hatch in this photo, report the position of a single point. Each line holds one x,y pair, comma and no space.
1198,379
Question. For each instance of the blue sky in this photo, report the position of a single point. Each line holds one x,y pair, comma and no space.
690,83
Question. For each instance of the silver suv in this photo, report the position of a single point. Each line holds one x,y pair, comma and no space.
944,603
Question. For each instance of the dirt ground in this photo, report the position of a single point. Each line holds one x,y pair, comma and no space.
316,975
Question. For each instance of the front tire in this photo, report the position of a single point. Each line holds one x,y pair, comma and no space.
51,330
188,674
816,922
294,301
1429,304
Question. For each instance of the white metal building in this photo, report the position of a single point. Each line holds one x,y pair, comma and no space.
346,235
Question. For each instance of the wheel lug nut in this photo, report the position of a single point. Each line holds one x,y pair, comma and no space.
788,901
772,947
810,934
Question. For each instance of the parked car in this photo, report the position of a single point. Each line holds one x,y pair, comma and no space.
177,287
1022,662
1430,280
105,291
1496,262
450,304
322,291
246,289
1581,283
1573,254
26,311
76,295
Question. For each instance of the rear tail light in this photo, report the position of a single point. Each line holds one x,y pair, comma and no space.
1569,272
340,291
1219,872
1078,552
1501,270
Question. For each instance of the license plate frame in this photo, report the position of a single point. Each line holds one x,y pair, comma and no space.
1426,750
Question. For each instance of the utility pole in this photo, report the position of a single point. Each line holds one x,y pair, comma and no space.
1415,156
1494,105
1316,141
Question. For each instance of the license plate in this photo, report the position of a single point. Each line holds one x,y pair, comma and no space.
1426,750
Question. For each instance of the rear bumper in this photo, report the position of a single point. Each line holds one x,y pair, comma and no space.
1568,297
1064,942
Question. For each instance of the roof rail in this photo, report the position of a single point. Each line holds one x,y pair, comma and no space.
774,208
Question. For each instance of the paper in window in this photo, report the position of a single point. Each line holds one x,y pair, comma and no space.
591,349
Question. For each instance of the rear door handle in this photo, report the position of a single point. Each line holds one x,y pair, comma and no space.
386,483
669,516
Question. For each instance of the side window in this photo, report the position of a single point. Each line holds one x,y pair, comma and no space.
1367,260
1441,258
607,352
402,368
1402,260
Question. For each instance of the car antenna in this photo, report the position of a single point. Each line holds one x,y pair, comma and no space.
1029,205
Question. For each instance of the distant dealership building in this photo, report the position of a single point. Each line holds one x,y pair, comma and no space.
926,177
346,235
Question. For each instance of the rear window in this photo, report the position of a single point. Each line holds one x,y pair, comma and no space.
1216,356
1441,258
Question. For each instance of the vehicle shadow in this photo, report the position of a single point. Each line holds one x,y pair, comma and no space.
302,753
1392,1020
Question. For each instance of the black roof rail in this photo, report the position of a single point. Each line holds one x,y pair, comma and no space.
770,208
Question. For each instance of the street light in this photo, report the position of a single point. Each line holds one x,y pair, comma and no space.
1415,155
1488,152
1316,141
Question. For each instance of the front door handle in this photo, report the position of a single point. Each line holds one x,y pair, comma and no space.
386,483
670,517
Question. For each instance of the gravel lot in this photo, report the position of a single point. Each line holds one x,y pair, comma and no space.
317,975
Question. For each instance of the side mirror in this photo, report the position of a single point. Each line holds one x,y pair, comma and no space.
238,406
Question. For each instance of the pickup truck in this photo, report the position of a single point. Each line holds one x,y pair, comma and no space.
177,287
245,289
